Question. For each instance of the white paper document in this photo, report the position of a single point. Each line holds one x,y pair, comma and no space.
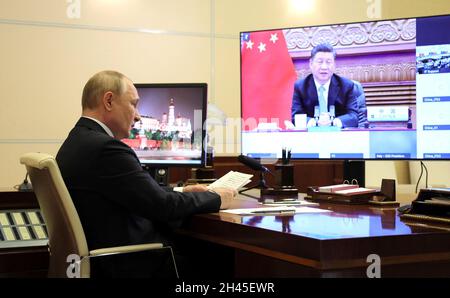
359,190
281,210
232,179
296,203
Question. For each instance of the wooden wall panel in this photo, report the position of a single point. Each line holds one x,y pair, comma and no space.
306,173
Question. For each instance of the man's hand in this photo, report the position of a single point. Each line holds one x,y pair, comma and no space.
311,123
195,188
337,122
226,195
324,119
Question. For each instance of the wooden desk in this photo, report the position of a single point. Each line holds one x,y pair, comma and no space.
334,244
22,258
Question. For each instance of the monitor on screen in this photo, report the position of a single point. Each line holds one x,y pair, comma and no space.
170,132
388,96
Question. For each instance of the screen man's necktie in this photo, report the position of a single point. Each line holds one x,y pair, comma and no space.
322,103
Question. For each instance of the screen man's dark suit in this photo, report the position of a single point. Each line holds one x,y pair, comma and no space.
117,201
340,94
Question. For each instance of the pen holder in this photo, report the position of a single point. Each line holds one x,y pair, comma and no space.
284,175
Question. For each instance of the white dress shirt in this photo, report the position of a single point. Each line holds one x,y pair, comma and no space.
103,125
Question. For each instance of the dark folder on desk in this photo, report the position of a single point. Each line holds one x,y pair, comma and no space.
357,195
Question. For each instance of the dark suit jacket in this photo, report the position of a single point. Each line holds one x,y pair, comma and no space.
361,100
341,94
117,201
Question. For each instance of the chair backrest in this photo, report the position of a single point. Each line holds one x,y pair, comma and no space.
66,235
362,108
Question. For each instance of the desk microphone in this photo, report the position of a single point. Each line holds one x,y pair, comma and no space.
252,163
332,114
257,166
316,115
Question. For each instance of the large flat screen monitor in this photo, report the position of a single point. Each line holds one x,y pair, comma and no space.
381,92
170,132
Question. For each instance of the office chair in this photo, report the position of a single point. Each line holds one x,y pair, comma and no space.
361,99
65,232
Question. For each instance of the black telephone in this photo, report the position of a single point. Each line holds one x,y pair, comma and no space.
430,204
404,209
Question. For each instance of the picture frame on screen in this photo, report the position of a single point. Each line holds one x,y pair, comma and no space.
359,91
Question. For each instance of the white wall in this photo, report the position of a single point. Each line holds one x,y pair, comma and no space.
46,57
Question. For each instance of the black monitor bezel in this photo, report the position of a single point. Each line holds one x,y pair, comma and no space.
204,87
331,24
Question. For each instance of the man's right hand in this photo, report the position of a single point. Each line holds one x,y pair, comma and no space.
226,195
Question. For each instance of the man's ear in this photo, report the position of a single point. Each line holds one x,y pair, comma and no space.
107,100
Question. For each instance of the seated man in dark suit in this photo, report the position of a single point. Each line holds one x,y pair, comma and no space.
118,202
320,91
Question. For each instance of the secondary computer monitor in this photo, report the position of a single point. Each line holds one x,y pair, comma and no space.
170,132
390,91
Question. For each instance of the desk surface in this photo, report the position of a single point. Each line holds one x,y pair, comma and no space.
344,221
336,243
340,239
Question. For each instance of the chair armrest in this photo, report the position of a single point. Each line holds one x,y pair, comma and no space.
130,249
124,249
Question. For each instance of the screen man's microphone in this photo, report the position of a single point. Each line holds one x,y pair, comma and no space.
332,113
316,115
252,163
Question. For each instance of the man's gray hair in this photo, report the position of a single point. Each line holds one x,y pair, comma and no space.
99,84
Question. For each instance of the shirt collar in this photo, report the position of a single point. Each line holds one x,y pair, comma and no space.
103,125
326,85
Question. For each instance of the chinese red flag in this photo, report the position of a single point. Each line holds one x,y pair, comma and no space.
268,77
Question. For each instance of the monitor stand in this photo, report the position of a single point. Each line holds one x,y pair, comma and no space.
160,174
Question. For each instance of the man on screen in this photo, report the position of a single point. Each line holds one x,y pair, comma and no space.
322,91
